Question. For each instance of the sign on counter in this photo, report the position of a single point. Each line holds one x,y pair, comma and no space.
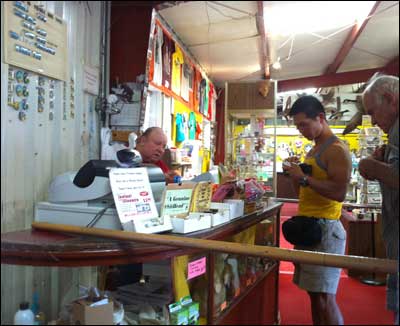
132,194
177,199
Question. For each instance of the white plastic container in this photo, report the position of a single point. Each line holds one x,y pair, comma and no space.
24,316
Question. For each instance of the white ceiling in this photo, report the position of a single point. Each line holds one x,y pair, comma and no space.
223,37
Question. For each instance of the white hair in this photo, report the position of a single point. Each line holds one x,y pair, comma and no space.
383,84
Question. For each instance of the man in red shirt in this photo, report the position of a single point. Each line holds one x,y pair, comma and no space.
151,146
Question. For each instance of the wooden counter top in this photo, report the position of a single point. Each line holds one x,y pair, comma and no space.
40,248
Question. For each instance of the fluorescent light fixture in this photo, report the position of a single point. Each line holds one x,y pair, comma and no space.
288,18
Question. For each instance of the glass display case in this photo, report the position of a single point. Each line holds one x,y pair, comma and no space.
225,285
250,133
369,139
253,156
233,278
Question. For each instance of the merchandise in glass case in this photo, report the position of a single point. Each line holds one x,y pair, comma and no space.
250,146
253,157
369,139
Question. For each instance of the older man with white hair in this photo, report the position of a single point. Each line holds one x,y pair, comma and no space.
381,102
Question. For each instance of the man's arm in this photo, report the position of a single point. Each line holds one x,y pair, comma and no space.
373,169
338,162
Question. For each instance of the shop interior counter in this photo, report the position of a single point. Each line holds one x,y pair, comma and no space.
42,248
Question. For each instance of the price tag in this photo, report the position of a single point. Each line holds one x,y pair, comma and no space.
196,268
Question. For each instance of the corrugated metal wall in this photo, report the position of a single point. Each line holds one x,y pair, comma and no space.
37,149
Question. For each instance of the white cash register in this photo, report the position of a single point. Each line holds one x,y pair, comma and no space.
84,198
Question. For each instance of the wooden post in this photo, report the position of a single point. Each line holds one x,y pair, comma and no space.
296,256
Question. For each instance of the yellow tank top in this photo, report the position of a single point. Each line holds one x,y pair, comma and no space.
177,62
311,203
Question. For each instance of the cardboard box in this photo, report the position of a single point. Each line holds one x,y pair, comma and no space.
85,314
193,308
219,217
233,207
224,208
238,207
194,222
178,315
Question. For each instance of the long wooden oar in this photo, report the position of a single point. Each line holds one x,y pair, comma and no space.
296,256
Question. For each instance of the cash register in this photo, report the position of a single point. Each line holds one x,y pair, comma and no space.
84,197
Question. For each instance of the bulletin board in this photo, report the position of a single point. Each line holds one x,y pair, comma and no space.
35,39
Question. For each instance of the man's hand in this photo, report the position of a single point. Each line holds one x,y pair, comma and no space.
372,169
169,176
379,153
291,167
367,168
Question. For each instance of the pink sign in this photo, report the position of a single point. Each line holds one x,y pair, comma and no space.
196,268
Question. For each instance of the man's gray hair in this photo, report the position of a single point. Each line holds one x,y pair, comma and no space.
380,84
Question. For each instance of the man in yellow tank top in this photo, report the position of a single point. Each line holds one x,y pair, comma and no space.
321,194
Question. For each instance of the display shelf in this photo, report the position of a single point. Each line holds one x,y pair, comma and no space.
360,241
273,269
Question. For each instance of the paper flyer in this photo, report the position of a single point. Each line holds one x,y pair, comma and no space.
132,194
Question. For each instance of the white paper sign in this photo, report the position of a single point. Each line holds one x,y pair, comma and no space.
132,194
91,80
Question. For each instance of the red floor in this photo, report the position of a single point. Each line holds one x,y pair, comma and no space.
360,304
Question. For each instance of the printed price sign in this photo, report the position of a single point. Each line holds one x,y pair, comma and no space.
132,194
196,268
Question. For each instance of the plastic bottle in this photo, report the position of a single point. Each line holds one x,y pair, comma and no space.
24,316
39,315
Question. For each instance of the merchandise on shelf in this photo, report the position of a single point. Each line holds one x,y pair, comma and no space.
369,139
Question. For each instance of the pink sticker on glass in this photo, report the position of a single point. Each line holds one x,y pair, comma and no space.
196,268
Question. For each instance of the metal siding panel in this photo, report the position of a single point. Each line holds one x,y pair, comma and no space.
33,152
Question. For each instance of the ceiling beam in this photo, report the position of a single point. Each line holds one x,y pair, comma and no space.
349,42
344,78
265,56
392,67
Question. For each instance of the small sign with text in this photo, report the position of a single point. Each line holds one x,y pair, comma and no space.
196,268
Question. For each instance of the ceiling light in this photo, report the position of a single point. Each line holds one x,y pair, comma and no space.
277,64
